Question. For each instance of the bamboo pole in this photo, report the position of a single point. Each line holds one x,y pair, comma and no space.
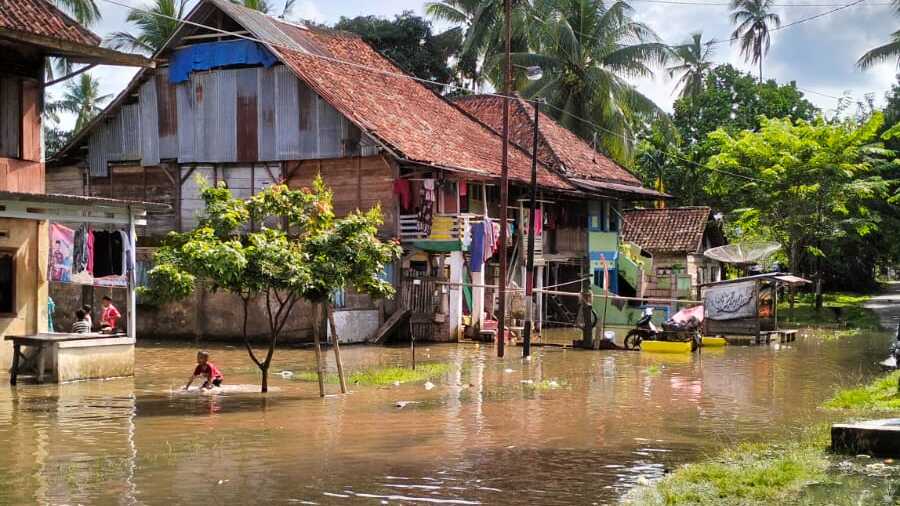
319,373
337,348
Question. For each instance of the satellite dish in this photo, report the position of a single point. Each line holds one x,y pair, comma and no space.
746,253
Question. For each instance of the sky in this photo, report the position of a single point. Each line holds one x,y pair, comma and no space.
819,55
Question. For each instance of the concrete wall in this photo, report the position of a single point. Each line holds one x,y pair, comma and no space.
94,358
29,238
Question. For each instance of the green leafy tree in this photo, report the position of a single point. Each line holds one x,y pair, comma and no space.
810,184
753,19
155,27
409,42
275,266
82,98
694,64
586,51
734,100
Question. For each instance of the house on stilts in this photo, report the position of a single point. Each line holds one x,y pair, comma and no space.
246,100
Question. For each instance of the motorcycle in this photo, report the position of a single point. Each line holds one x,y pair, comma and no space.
646,330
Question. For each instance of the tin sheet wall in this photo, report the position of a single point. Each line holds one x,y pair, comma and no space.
224,116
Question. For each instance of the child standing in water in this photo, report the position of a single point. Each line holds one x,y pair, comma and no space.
206,369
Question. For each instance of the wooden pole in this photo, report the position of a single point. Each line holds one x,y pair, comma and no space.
131,276
337,348
504,180
529,262
317,323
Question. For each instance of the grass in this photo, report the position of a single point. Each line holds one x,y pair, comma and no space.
854,314
750,474
775,473
383,376
879,395
547,384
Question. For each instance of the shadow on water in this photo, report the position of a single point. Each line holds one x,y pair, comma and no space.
566,427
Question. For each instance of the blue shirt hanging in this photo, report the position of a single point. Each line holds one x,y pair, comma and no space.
210,55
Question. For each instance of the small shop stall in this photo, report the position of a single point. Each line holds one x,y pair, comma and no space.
745,306
36,248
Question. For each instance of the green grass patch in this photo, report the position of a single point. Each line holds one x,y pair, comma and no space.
383,376
654,370
750,474
852,311
547,384
879,395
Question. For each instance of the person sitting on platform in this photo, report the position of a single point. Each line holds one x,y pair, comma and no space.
88,314
82,325
206,369
109,316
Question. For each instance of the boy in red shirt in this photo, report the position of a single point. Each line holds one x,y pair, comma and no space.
109,316
206,369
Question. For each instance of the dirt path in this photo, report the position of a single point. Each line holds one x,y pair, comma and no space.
887,305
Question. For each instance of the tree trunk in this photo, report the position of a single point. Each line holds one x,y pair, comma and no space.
760,70
316,329
337,348
264,370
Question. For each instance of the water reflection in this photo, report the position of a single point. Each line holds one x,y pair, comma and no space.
567,426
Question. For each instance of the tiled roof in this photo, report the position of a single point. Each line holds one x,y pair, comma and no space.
667,230
405,115
558,147
39,17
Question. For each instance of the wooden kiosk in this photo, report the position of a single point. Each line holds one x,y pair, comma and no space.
24,280
746,307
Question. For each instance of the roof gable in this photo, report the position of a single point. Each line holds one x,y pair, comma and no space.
667,230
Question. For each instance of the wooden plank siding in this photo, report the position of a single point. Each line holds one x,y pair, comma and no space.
357,183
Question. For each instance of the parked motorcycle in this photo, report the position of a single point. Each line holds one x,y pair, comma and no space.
646,330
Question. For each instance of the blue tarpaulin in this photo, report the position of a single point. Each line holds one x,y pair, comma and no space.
210,55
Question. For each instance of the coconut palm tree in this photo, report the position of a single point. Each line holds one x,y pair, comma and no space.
586,50
882,53
265,7
753,19
484,37
695,62
84,11
155,27
81,98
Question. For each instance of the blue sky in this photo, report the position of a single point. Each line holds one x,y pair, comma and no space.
819,55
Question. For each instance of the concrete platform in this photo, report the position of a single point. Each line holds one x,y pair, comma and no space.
878,438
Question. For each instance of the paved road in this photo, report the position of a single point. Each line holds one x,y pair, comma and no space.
887,305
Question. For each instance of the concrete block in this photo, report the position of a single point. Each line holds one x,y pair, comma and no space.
879,438
110,357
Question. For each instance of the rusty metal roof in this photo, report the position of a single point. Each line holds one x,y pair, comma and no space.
79,200
666,230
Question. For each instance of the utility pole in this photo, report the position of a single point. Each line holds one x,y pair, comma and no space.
504,179
529,266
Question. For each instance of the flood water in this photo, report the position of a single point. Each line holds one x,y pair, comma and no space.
590,425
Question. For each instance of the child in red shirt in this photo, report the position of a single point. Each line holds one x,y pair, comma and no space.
206,369
109,316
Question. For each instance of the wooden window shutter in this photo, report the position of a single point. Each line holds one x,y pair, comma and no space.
31,120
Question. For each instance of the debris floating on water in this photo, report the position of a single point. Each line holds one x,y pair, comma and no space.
403,404
508,371
287,374
429,385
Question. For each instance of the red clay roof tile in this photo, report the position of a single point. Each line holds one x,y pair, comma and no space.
39,17
558,147
667,230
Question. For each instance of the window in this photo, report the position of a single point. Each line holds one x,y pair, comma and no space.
10,117
7,282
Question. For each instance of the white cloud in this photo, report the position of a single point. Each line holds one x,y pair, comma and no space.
307,10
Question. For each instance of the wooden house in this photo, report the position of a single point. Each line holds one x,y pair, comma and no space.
675,238
30,32
247,100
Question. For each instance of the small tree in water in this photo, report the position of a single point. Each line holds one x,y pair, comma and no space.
304,256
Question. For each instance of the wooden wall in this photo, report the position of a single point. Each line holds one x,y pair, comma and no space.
357,183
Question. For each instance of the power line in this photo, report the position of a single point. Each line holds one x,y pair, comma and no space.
635,140
728,4
795,23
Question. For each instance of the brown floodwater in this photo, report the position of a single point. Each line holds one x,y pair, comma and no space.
567,427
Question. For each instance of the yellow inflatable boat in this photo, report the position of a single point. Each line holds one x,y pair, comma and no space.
666,346
713,341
